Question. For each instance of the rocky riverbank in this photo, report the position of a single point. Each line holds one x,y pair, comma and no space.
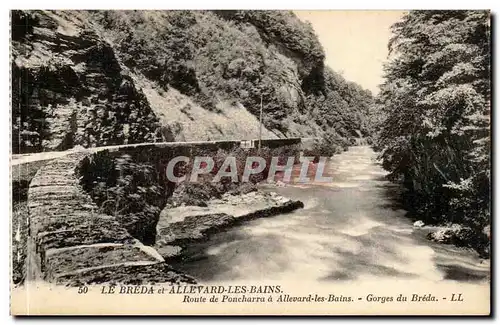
180,226
458,235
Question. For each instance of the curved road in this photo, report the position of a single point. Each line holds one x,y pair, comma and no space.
350,229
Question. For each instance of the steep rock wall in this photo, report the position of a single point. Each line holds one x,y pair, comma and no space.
68,88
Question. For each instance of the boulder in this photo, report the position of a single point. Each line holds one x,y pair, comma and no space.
442,236
418,224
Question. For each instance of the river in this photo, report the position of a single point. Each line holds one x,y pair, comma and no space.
349,230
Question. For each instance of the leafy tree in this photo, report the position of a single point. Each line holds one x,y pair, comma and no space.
436,104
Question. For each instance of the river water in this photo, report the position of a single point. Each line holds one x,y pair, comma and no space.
349,230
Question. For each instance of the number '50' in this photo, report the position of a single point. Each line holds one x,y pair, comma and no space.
83,290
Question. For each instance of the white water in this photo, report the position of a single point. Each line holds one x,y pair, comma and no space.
350,229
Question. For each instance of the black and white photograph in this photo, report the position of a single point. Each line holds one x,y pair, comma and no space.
250,162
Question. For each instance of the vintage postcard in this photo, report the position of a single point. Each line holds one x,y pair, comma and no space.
263,162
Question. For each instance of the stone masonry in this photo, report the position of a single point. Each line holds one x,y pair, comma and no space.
72,243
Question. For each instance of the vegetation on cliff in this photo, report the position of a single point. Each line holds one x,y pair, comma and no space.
243,57
133,187
69,89
214,58
128,189
435,109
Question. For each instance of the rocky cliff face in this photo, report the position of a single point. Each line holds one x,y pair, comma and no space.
69,89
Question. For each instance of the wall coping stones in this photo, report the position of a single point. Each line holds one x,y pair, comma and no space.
70,240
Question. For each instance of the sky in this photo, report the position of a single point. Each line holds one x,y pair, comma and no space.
355,42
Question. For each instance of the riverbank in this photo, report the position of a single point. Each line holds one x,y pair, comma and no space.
460,235
352,229
180,226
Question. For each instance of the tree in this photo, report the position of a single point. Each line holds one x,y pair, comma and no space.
436,103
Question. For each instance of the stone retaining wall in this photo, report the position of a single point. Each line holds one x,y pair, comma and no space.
72,243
